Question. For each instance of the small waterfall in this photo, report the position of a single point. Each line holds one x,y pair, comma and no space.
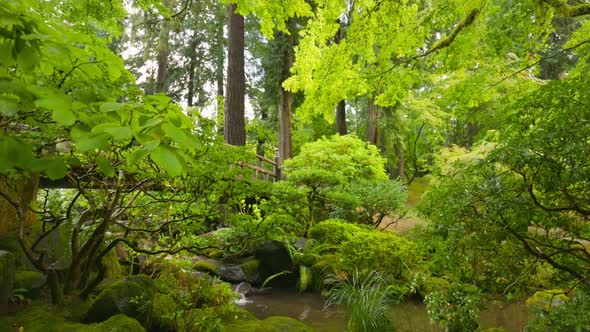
242,289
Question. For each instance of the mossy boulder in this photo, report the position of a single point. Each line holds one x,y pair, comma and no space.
233,272
164,309
270,324
31,281
7,275
45,318
547,299
274,258
132,296
119,323
251,268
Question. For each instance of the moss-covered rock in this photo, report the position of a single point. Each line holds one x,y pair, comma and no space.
545,300
270,324
119,323
164,309
251,268
274,258
132,296
46,318
7,275
31,281
205,266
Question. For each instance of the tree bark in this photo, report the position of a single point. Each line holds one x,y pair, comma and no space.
285,104
234,123
163,52
341,118
372,122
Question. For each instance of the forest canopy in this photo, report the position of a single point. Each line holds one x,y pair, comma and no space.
205,130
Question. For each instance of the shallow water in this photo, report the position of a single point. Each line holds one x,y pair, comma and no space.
407,317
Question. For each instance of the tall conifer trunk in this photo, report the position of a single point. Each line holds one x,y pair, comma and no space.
234,127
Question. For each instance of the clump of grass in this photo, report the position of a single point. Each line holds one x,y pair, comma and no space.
365,298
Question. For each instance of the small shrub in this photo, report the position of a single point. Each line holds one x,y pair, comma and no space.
365,298
334,231
455,308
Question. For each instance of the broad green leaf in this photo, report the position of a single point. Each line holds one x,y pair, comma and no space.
61,107
92,141
105,167
55,168
141,152
8,104
111,107
168,159
119,133
14,153
179,136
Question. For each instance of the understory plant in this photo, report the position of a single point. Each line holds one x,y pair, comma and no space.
365,297
454,308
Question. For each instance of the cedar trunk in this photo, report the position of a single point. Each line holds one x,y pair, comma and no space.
234,126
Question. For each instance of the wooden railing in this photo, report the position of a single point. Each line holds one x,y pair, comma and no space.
265,168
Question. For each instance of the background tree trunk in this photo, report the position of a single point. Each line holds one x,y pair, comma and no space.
234,126
285,104
372,123
163,52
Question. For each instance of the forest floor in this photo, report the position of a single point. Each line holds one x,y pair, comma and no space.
411,219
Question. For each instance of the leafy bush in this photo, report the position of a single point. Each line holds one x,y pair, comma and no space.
334,231
455,308
368,201
561,315
342,157
378,251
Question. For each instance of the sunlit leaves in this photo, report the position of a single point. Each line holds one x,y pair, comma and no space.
166,158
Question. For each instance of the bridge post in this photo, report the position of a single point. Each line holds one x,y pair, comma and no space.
277,167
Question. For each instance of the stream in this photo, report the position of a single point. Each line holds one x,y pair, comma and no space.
408,317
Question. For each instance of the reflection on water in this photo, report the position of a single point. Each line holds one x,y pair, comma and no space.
407,317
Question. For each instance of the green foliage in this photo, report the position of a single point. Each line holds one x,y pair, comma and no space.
335,232
379,251
335,160
368,201
455,308
562,314
365,298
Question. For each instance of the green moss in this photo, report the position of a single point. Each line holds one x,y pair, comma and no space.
251,268
545,300
270,324
29,280
119,323
46,318
164,309
215,253
132,296
111,263
205,266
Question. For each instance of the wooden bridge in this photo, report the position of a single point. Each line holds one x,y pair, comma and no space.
264,169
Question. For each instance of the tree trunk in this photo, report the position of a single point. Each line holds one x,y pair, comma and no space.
341,108
341,118
372,123
192,77
285,104
234,123
163,52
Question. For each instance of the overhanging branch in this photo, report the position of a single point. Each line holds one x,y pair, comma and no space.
565,10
